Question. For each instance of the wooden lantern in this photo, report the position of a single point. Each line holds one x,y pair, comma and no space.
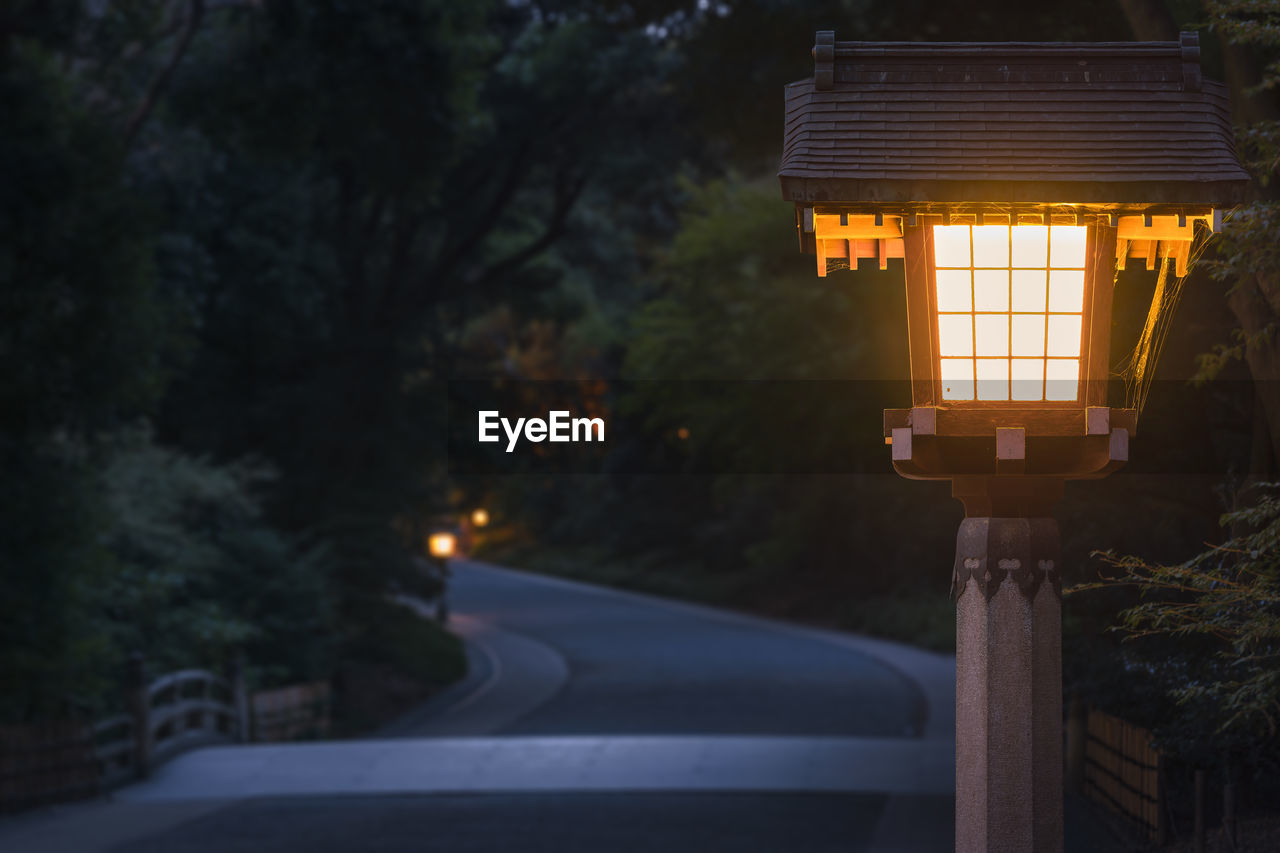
1012,179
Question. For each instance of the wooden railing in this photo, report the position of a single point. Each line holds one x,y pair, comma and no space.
178,711
70,759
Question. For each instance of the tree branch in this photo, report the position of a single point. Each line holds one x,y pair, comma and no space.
488,218
566,196
404,233
195,12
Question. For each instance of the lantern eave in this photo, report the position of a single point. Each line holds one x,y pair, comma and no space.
1098,193
1041,122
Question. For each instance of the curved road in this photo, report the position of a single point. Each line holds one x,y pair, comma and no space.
592,720
623,663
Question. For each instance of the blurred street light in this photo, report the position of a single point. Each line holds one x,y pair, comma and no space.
442,545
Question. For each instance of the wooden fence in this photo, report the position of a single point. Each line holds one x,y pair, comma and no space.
46,763
1122,772
298,712
66,760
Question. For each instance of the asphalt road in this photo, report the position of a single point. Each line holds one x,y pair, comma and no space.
592,720
639,665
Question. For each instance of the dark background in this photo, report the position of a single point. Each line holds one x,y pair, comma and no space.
255,258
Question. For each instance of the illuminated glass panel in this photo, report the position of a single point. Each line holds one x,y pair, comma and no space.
1028,335
993,378
1066,291
1062,378
991,246
955,335
1010,310
1066,246
991,290
1030,246
1028,379
991,334
957,379
951,246
1030,288
955,290
1064,336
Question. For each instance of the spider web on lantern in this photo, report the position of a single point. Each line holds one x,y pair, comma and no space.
1138,370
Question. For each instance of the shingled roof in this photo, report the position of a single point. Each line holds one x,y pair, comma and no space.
1120,124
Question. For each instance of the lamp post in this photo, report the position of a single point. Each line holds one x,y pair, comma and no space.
441,545
1012,180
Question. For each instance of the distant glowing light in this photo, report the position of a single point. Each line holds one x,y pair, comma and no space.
442,545
480,517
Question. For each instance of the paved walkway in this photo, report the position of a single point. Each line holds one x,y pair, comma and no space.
639,664
593,719
542,764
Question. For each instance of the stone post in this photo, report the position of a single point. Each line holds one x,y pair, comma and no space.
138,704
239,698
1007,588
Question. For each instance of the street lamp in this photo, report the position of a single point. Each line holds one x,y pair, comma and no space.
1012,180
442,545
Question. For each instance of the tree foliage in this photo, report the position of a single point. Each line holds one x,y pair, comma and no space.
1226,598
82,341
1205,630
197,573
275,229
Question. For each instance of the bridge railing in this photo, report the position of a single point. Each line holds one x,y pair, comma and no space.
175,712
59,760
67,759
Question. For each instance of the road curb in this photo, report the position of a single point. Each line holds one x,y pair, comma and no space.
522,674
483,669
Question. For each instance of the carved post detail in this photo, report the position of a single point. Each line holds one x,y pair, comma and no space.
1008,590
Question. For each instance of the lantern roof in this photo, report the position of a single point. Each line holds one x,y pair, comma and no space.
1110,124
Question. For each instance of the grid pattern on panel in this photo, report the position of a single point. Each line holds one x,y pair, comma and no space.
1010,311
